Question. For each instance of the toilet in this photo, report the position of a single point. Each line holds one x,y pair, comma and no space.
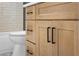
18,39
6,46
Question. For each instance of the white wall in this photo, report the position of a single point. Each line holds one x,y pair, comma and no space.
11,16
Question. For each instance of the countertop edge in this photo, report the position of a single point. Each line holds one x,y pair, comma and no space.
29,4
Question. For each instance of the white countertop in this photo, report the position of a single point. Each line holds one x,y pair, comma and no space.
29,4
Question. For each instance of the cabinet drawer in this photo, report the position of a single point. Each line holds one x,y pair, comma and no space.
30,49
30,12
31,31
64,10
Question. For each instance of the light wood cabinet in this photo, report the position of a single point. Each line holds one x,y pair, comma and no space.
52,29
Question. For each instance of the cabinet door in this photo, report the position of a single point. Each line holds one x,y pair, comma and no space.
66,38
66,42
46,48
30,12
60,10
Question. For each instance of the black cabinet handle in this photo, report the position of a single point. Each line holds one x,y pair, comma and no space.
48,34
29,52
53,35
29,30
29,12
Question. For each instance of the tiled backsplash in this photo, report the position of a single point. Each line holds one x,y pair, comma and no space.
11,16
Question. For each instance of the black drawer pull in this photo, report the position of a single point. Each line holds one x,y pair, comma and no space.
53,35
29,12
29,30
29,52
48,34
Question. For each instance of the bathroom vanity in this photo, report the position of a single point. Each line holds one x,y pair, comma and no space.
52,29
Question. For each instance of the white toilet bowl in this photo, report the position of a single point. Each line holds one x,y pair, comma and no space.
18,39
6,46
